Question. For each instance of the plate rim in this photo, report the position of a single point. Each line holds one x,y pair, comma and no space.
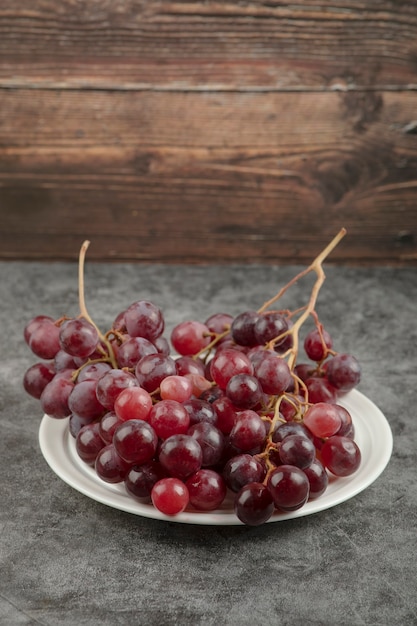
65,463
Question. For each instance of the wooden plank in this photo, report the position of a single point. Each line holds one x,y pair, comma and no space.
197,45
203,177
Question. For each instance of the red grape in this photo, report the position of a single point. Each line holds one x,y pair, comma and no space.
170,496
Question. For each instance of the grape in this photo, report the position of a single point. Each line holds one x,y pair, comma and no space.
78,337
249,432
33,324
188,365
226,414
135,441
199,384
37,377
111,384
181,455
243,328
169,417
44,339
144,319
289,487
88,443
317,344
75,423
109,466
343,372
140,479
170,496
207,490
64,361
322,419
83,400
297,450
219,323
228,363
162,345
119,323
254,504
347,428
133,403
320,390
93,371
241,470
55,396
152,369
270,326
317,478
273,374
340,455
304,371
200,411
190,337
211,441
132,350
177,388
108,424
244,391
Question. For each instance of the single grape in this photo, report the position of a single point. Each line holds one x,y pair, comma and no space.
289,487
189,365
241,470
322,419
109,466
133,403
200,411
162,345
144,319
318,479
343,372
33,324
270,326
190,337
320,390
108,424
177,388
64,361
219,323
44,340
347,428
140,480
169,417
243,328
228,363
226,414
88,443
78,337
207,490
93,371
54,398
83,400
152,369
132,350
290,428
37,377
254,504
244,391
297,450
170,496
273,374
317,343
340,455
211,441
135,441
249,431
75,423
111,384
181,455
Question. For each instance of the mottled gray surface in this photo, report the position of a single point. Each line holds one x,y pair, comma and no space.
67,560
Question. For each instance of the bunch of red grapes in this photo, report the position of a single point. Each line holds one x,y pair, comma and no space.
221,409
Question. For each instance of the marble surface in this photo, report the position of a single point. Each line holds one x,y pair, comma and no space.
68,560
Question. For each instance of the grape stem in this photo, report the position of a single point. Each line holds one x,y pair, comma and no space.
83,308
317,267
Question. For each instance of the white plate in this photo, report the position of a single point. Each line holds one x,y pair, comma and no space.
373,436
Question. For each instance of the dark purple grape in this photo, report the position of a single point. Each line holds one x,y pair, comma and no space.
297,450
88,443
109,466
269,326
289,487
254,504
318,479
206,489
152,369
244,391
135,441
37,377
140,480
181,456
243,328
144,319
78,337
132,350
241,470
343,372
211,441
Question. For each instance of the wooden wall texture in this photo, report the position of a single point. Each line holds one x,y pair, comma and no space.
207,132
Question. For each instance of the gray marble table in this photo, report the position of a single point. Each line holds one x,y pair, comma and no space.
68,560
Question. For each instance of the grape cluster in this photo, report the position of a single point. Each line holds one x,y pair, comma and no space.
220,407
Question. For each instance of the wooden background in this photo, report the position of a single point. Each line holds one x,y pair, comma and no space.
207,132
